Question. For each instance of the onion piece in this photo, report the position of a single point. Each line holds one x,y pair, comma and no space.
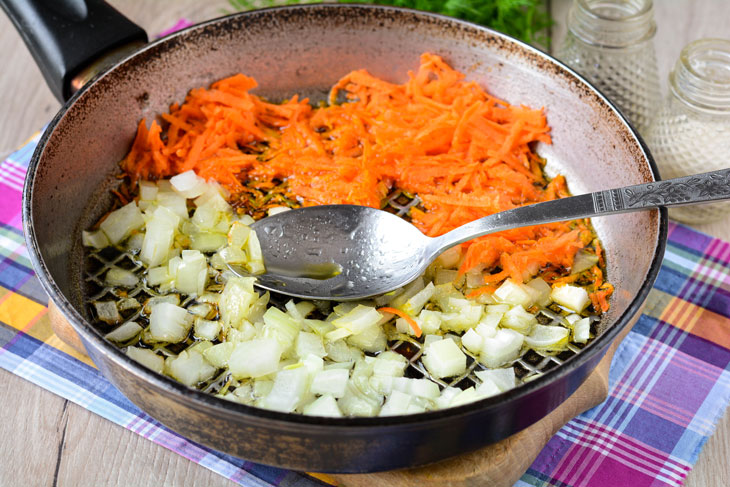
124,333
583,261
548,338
118,277
188,184
502,348
331,381
96,239
288,391
572,297
107,312
119,224
147,357
190,367
255,358
582,330
169,323
324,406
444,358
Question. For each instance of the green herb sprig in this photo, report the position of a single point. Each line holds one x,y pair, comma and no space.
528,20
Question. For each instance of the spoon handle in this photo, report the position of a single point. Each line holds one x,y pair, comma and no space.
699,188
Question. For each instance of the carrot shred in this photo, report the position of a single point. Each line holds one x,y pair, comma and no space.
465,153
413,324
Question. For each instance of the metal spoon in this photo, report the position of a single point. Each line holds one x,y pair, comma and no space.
347,252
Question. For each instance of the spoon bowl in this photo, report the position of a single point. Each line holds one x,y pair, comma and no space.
342,252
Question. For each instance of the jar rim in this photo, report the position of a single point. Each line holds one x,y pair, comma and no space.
645,9
696,47
589,23
692,82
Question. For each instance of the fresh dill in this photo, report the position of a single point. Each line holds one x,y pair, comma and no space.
527,20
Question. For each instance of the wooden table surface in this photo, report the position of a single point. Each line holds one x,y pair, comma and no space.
47,440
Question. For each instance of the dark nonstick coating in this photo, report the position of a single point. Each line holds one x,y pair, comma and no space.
305,49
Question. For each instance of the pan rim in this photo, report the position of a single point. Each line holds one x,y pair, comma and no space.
208,402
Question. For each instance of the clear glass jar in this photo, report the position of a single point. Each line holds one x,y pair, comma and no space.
691,133
611,43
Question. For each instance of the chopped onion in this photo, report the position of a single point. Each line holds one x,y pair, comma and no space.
275,210
582,330
119,224
206,329
309,344
169,323
539,291
207,241
472,341
174,203
331,381
117,277
583,261
255,358
236,300
190,367
396,404
504,379
449,258
288,391
513,293
107,312
572,297
158,238
147,190
124,333
444,359
192,273
414,305
147,357
188,184
502,348
324,406
218,354
390,363
548,338
96,239
519,320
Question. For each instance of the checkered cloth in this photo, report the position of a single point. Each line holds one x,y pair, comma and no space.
669,380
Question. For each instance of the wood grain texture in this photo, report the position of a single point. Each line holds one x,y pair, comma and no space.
49,441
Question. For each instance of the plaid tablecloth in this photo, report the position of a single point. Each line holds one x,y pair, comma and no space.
669,380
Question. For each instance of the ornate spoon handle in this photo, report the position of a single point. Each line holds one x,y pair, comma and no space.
699,188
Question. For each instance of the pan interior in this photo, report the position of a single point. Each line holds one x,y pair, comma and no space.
305,51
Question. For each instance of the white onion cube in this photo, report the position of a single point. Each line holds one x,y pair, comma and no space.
146,357
120,224
444,359
502,348
255,358
572,297
323,406
330,381
169,323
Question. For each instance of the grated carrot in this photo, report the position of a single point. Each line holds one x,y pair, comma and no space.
413,324
465,153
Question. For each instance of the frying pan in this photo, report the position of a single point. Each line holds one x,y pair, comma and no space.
305,49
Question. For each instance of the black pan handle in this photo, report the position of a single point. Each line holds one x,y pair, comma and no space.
66,36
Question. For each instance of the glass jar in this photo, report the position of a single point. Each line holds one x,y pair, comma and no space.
611,43
691,133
